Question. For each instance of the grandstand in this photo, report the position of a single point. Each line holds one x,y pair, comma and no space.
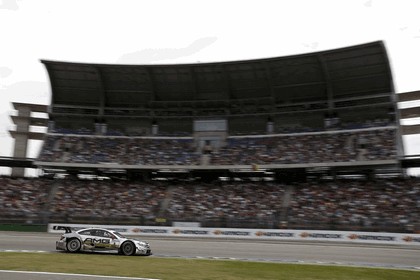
290,141
211,110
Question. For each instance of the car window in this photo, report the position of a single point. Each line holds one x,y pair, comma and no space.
99,233
86,232
108,234
102,233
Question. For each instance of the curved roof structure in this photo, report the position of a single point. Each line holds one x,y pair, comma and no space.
347,72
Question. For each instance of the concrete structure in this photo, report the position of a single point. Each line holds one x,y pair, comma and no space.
409,113
23,121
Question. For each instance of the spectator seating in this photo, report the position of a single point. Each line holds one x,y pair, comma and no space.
350,204
316,147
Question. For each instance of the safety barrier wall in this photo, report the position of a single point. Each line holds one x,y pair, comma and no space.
259,234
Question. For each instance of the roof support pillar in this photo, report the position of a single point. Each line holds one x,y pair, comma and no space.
22,134
329,89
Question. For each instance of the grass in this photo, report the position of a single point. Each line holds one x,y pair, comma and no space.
176,269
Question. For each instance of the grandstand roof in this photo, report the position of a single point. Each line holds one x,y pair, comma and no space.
346,73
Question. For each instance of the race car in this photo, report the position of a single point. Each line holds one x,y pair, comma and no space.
99,240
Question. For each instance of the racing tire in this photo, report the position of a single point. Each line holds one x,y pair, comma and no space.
73,245
128,248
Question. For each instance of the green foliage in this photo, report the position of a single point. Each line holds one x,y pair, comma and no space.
23,228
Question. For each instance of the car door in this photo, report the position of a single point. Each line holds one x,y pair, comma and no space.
89,239
102,240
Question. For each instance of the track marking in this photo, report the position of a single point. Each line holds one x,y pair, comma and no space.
73,274
288,261
24,251
371,265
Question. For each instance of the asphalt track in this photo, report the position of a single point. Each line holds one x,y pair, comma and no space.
400,257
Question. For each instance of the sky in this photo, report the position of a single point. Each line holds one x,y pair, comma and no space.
196,31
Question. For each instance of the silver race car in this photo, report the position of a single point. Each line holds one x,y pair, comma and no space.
98,240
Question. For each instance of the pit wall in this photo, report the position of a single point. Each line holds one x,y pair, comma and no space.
259,234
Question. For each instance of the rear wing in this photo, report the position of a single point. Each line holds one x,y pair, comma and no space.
67,229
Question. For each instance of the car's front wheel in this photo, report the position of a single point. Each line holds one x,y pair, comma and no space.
73,245
128,248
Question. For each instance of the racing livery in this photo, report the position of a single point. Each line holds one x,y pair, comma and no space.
100,239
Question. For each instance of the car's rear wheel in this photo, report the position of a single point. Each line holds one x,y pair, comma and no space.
73,245
128,248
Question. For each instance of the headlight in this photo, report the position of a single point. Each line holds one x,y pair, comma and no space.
143,244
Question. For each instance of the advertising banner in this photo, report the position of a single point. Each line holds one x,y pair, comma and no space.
259,234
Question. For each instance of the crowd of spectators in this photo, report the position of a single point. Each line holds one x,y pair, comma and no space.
309,148
227,202
392,203
338,146
120,150
23,198
383,205
101,199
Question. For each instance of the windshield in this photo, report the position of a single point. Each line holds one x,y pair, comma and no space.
118,234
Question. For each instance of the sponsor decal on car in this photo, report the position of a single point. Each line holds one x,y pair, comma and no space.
96,241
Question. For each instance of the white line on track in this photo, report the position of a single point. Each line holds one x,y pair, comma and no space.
75,275
8,236
24,251
289,261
